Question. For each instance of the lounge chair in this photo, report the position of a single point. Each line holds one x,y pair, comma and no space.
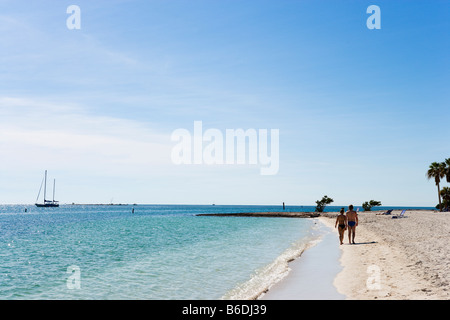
401,215
385,213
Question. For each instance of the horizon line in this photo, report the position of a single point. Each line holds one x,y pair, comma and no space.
203,204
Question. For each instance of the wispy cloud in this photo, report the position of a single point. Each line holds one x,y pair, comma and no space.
66,136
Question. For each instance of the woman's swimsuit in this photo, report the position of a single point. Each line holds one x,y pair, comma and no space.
342,226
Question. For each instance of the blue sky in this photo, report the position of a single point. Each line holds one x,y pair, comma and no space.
361,113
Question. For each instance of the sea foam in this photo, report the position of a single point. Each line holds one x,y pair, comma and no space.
264,278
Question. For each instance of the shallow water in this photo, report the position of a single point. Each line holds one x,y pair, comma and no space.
159,252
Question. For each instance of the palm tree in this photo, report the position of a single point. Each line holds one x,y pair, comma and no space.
437,171
445,194
447,169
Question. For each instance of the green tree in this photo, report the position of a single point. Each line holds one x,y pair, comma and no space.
447,169
445,194
367,206
321,204
436,171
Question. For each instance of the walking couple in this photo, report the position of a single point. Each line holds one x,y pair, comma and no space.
348,221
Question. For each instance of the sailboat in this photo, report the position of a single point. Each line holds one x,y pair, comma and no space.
47,203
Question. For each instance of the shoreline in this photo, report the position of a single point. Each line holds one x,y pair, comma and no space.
393,259
269,275
311,275
396,259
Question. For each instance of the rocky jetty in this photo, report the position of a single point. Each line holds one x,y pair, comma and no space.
265,214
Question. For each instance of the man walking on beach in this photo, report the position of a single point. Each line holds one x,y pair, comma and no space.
352,222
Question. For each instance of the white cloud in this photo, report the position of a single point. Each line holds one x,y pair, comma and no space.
66,136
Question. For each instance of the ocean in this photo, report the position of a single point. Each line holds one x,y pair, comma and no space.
160,252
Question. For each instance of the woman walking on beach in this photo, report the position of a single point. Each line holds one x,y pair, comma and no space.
352,222
342,221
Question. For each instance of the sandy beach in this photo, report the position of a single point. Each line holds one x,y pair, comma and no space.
392,259
403,258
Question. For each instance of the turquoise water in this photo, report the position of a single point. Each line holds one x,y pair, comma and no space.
159,252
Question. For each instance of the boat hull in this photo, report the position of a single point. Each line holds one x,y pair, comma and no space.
47,205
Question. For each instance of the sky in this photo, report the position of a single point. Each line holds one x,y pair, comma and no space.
361,112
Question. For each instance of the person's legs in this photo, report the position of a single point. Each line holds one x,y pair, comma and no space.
350,234
341,234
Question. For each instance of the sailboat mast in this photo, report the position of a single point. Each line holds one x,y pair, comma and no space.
47,203
45,185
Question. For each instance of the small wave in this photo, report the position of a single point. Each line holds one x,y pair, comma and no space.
264,278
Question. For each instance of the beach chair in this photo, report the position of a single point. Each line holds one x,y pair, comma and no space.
401,215
385,213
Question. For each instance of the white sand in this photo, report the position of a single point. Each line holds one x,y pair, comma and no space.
406,258
399,259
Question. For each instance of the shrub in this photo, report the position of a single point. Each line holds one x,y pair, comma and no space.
321,204
367,206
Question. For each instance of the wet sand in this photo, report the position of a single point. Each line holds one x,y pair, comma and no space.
312,274
403,258
393,259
